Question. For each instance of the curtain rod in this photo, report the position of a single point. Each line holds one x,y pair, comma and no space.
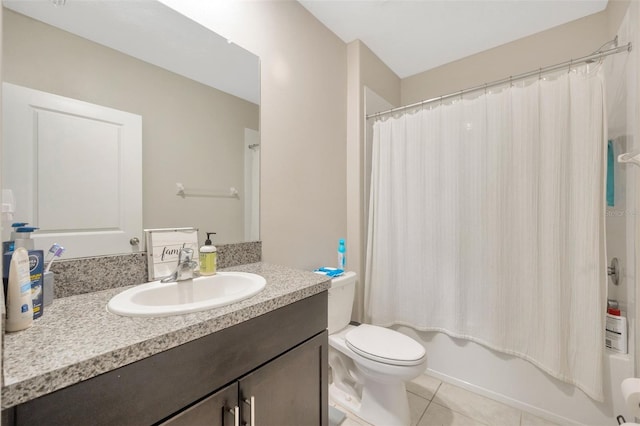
585,59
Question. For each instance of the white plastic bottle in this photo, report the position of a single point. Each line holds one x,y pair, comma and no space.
208,257
19,303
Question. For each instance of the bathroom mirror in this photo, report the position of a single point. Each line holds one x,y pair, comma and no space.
197,96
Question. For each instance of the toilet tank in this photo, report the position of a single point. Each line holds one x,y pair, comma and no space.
341,295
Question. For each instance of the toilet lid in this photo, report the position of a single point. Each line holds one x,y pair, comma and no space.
384,345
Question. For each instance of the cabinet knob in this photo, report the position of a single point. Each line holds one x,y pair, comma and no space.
134,241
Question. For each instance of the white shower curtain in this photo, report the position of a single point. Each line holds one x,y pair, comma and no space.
486,222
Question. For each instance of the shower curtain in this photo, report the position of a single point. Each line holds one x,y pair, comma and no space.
486,222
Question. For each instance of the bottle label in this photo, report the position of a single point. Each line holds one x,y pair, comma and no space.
342,261
208,263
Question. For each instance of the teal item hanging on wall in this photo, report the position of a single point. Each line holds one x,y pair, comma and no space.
610,178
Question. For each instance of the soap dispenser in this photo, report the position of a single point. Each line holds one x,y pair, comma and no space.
208,257
8,246
22,237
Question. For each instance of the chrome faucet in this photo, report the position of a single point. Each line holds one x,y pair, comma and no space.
185,269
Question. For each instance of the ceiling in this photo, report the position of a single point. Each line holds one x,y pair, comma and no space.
157,34
412,36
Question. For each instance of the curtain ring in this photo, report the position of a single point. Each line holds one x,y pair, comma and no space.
510,81
570,65
540,73
485,88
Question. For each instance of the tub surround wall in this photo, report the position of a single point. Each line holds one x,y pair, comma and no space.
89,274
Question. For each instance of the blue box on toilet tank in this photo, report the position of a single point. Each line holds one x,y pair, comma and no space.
36,271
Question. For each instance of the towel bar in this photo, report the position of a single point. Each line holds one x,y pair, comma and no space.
195,192
628,157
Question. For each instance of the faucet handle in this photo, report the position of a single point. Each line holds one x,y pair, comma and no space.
185,255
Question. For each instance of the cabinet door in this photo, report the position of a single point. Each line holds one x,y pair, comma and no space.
290,390
215,410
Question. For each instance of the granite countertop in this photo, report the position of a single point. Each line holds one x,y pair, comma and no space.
77,338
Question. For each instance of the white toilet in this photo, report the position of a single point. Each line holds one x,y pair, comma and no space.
369,364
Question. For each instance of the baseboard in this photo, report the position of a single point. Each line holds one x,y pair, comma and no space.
547,415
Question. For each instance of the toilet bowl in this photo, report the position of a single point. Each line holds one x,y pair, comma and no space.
369,364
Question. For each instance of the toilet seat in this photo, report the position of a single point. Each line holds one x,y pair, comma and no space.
384,345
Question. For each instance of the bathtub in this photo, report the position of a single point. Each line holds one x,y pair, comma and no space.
518,383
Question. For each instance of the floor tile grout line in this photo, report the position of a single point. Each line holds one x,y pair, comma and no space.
423,413
429,401
436,391
464,414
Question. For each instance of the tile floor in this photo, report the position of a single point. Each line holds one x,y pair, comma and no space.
436,403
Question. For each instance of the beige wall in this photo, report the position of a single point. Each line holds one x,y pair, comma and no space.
192,134
365,69
302,125
571,40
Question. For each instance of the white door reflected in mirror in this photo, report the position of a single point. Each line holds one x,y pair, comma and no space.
73,168
195,92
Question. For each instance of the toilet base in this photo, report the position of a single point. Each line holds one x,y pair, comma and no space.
386,405
380,405
344,399
372,390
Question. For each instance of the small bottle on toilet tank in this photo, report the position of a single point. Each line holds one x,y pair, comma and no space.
342,258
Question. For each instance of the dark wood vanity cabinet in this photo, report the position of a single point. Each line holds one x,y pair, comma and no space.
218,409
278,361
285,391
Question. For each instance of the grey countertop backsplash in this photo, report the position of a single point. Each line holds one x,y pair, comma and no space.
90,274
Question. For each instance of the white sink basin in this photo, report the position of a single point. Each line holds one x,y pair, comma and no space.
156,299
